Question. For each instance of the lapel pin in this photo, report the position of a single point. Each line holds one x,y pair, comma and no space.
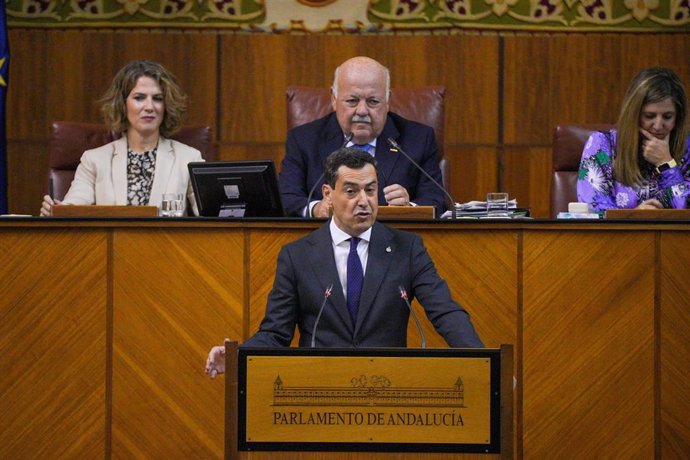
388,249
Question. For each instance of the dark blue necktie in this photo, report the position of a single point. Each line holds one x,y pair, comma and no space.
363,147
355,279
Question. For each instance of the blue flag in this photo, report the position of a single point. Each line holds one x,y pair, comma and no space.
4,78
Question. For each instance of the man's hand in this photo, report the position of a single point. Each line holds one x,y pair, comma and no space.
650,204
321,209
655,151
215,363
396,195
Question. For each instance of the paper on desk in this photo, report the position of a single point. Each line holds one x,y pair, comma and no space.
474,209
480,205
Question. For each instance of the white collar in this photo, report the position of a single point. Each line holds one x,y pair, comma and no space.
338,236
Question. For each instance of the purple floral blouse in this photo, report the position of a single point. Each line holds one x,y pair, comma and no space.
597,185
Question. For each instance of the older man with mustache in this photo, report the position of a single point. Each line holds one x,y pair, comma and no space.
360,93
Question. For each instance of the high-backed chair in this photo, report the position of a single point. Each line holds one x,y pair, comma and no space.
424,105
69,139
568,142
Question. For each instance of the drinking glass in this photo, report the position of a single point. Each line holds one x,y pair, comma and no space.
172,205
497,204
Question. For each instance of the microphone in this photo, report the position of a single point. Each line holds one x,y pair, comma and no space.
348,138
396,148
403,295
326,295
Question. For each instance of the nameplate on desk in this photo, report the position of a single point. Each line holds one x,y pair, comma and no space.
649,214
406,212
104,211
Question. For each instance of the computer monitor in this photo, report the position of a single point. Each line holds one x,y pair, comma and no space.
236,188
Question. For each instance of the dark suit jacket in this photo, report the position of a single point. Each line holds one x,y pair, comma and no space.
396,258
307,147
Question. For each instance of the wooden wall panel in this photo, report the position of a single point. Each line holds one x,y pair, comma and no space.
256,69
473,172
27,181
588,345
26,91
53,359
160,339
675,347
83,64
527,177
552,79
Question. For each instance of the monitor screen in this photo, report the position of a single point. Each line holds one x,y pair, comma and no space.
236,188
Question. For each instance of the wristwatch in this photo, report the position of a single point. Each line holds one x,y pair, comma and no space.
664,166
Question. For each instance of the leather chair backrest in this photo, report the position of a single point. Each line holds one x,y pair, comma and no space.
568,142
69,139
423,104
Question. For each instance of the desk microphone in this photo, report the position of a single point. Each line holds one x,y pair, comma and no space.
396,148
403,295
326,295
348,138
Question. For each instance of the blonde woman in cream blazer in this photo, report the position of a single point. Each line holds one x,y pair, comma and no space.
101,177
146,104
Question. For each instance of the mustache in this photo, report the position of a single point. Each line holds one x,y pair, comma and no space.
358,119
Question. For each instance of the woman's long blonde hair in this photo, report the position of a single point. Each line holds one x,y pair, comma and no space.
649,86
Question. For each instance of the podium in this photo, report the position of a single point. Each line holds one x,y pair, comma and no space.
346,401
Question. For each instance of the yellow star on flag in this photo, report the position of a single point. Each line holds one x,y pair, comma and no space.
2,80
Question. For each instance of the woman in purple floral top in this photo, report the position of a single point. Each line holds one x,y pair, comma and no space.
645,162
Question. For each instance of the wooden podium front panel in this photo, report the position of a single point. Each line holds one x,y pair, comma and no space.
481,268
53,343
675,345
482,273
588,344
307,407
264,247
177,292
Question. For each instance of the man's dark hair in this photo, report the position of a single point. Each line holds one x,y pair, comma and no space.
351,157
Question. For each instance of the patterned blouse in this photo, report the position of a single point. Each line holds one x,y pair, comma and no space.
597,185
140,170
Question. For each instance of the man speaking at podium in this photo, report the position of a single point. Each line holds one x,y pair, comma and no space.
360,93
348,276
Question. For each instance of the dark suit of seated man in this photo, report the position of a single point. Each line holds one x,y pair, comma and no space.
364,308
360,92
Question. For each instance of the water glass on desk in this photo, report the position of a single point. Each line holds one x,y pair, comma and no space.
172,205
497,204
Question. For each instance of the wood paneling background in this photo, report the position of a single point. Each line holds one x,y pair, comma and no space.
505,93
105,326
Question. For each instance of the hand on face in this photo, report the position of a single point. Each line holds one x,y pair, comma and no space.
396,195
657,121
654,150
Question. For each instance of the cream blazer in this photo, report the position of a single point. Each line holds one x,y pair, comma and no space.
101,177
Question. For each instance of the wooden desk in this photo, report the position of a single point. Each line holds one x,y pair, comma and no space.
105,326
